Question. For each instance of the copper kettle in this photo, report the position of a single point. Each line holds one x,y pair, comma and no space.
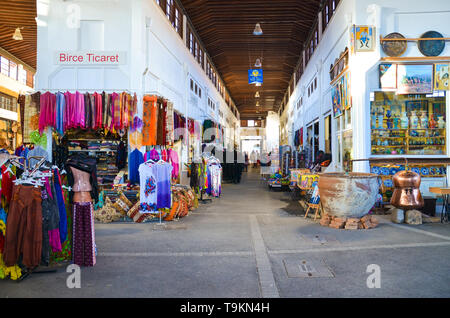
406,190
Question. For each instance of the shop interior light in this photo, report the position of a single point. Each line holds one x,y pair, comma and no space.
257,104
258,63
257,30
258,84
257,95
17,35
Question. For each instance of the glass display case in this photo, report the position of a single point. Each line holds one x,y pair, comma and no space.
407,124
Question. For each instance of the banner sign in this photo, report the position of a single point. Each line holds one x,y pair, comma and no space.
90,58
255,76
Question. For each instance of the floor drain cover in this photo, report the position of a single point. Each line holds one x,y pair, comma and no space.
306,268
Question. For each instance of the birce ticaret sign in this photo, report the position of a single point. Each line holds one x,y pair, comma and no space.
90,58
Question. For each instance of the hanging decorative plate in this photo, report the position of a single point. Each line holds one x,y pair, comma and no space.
431,47
376,170
401,168
416,170
388,183
385,171
393,171
442,170
336,68
425,171
394,48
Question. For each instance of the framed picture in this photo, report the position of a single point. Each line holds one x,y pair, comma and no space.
364,38
388,75
336,98
414,78
441,76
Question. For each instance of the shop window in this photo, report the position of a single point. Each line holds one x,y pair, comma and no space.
344,139
328,134
199,92
13,70
408,124
8,102
4,65
192,85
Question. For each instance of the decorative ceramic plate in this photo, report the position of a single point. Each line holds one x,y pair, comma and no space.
401,168
394,48
376,170
388,183
431,47
393,171
425,171
442,170
433,171
385,171
416,170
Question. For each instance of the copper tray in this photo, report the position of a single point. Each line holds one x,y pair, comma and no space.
431,47
394,48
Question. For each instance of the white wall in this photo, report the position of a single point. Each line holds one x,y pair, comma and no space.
158,61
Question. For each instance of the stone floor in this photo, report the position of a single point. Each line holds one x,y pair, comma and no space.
243,244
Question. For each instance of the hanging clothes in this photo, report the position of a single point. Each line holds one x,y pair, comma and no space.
155,186
134,161
25,208
83,234
150,119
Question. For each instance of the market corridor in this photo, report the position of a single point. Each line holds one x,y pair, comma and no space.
243,245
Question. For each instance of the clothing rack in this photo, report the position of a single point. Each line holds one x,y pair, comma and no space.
29,171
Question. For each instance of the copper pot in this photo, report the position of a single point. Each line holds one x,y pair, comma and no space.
406,192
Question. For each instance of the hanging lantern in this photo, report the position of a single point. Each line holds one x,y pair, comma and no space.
257,30
17,35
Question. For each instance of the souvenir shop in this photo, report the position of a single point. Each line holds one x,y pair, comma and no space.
408,114
90,157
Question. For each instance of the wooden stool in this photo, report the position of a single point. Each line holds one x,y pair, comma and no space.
313,206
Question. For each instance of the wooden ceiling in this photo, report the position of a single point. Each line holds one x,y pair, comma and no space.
226,29
19,14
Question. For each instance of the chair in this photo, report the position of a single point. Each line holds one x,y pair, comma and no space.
313,206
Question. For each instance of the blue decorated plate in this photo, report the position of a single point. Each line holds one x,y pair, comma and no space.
376,170
388,183
385,171
425,171
416,170
401,168
393,171
433,171
442,170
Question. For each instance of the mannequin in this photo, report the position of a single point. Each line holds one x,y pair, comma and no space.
83,180
81,186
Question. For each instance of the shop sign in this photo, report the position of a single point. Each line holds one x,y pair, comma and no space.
90,57
255,76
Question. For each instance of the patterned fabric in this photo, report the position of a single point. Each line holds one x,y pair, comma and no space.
83,234
108,213
150,186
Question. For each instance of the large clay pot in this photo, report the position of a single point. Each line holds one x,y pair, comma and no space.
348,195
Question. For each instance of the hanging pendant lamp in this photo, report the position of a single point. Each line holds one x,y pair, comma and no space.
258,63
17,35
257,95
257,30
